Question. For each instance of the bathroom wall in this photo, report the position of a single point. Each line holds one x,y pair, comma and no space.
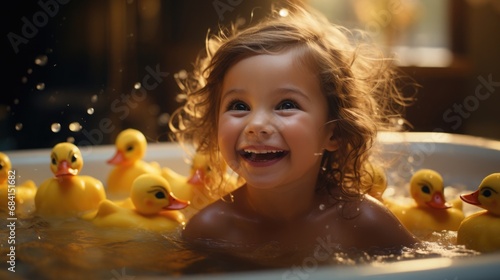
83,70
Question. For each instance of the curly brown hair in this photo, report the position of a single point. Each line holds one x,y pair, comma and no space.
359,82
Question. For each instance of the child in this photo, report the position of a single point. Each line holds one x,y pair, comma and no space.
292,106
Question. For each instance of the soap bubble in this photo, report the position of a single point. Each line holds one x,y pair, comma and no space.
24,80
75,126
18,126
94,98
137,85
55,127
70,139
41,60
90,111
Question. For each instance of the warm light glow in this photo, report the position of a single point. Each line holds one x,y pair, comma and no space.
283,12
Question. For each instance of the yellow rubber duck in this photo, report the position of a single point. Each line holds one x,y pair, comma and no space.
481,231
195,186
429,211
155,207
131,147
20,197
68,194
377,179
185,187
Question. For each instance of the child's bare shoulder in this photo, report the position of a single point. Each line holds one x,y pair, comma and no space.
210,221
383,228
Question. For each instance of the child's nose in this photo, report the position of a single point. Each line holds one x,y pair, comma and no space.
260,125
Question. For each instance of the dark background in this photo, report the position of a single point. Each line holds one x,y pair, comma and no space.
97,51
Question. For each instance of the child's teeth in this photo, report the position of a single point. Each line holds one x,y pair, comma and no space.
262,152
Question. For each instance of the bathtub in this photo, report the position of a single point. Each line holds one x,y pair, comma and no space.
462,160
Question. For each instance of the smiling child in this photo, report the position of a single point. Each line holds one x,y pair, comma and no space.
292,105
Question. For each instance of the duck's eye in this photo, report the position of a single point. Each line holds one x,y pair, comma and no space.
486,193
74,158
53,161
1,165
160,195
426,189
129,148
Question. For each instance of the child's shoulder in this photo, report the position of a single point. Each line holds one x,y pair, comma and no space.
369,223
212,221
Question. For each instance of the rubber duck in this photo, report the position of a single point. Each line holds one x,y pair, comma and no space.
185,187
21,196
131,147
481,231
194,186
377,179
429,211
68,194
155,207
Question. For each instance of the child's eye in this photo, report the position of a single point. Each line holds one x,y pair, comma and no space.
237,106
287,105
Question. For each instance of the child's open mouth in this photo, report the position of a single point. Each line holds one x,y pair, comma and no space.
263,155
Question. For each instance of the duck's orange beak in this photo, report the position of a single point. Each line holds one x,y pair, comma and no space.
471,198
118,158
198,177
175,203
438,202
64,168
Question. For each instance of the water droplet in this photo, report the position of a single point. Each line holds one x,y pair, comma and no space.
16,101
90,111
75,126
283,12
41,60
29,71
70,139
182,74
24,80
40,86
55,127
163,119
94,98
19,126
321,207
137,85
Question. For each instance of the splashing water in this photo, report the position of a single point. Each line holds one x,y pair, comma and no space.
55,127
75,126
40,86
41,60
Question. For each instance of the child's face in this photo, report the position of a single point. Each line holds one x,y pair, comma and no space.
272,121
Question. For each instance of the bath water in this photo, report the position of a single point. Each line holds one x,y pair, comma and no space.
76,249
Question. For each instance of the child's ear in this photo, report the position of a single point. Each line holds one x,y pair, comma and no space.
332,143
